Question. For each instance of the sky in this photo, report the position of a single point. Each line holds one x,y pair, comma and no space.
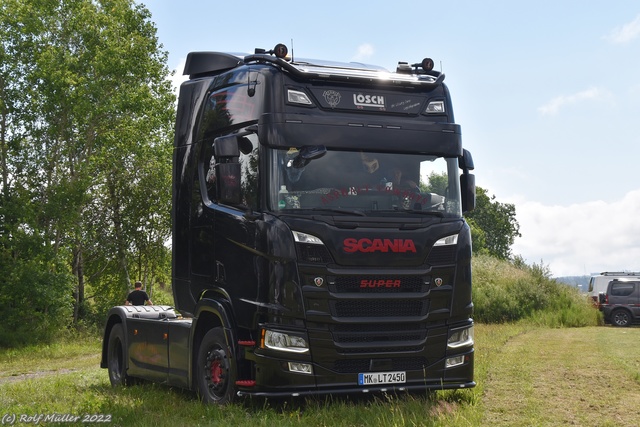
547,94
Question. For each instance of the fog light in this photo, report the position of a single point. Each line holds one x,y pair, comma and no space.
301,368
454,361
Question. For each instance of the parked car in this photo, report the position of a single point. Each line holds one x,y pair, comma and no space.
598,283
620,304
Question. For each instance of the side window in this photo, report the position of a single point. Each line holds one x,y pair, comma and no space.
249,172
622,289
208,174
249,168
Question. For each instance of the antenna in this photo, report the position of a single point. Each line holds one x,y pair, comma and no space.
292,50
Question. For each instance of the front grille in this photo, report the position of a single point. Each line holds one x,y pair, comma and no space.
379,308
354,334
380,336
376,312
354,366
442,255
315,254
376,349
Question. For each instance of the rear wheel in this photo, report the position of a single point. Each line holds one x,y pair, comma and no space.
621,317
116,357
215,372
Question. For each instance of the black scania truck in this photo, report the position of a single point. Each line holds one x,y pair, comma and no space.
319,245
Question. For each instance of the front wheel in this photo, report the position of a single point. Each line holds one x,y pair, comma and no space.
215,372
621,317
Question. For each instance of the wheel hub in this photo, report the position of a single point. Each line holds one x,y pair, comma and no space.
217,370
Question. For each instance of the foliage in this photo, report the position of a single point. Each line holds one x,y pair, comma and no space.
86,117
507,291
493,224
35,294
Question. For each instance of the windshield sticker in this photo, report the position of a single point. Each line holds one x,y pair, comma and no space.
410,195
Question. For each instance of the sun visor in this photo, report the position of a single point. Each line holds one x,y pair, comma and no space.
294,130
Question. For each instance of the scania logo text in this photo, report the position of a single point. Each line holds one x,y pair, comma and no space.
365,245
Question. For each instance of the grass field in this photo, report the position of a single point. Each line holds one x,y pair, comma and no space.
526,377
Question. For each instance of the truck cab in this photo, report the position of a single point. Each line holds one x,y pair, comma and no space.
319,244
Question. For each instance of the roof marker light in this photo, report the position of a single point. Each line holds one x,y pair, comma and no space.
298,97
435,107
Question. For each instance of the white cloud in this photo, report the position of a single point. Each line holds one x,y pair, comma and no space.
581,238
365,51
625,33
593,93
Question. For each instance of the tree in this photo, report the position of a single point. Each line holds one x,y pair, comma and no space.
493,225
86,116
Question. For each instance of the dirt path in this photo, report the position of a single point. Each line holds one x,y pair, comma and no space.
558,377
12,373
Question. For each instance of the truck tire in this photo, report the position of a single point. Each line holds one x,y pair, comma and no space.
116,357
215,371
620,317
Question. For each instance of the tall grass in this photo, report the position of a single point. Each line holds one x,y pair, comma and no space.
511,291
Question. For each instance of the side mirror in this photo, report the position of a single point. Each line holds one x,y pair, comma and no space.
228,173
466,161
226,147
468,190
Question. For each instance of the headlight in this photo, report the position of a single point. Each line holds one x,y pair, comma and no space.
306,238
283,341
461,338
447,241
310,248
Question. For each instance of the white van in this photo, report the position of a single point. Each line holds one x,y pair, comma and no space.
599,283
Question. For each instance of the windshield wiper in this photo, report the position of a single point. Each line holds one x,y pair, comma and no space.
341,211
415,211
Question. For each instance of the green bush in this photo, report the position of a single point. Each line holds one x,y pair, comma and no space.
36,302
510,291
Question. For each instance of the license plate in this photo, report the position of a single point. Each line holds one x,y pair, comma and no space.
373,378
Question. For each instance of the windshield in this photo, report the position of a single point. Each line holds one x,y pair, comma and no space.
364,183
